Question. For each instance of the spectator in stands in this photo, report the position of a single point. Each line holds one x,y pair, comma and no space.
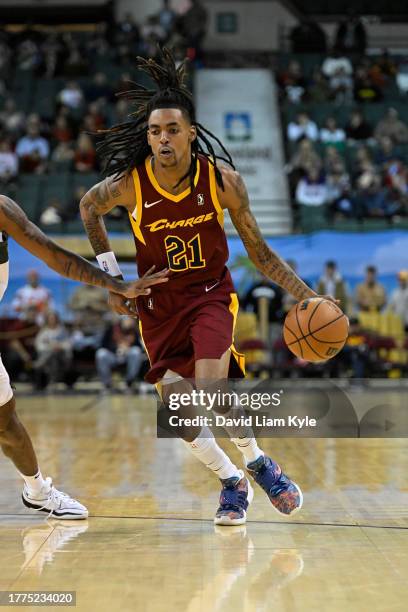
53,348
18,350
85,154
127,30
333,160
264,287
120,113
53,213
332,283
355,354
96,113
12,119
89,304
393,127
29,57
365,90
32,295
341,86
332,135
167,18
71,96
372,199
335,62
319,90
339,190
386,151
386,65
153,34
312,190
399,298
370,295
53,52
292,82
193,28
357,127
32,149
62,157
363,162
395,174
120,346
8,163
76,63
61,131
302,127
351,36
98,88
402,77
305,157
308,37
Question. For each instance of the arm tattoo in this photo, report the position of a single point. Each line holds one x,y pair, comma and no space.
18,226
96,203
265,259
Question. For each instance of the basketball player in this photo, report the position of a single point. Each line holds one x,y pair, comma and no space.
162,167
38,492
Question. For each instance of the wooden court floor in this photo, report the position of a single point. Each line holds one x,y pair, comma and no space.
151,545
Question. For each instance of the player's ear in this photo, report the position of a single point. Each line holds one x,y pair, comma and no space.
193,133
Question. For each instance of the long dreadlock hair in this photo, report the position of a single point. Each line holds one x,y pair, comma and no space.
124,146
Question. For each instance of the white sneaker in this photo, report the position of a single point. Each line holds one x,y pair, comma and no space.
54,503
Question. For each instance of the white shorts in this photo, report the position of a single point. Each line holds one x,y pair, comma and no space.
6,392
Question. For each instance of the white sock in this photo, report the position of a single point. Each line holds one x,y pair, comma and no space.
34,483
206,449
248,447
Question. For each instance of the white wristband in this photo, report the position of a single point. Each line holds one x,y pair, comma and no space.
107,262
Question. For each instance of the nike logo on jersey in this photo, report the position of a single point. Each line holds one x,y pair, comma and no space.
207,289
146,205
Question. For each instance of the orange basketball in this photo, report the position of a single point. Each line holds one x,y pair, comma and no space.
315,329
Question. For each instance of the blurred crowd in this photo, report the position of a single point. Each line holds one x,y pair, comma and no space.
355,169
344,155
38,347
85,100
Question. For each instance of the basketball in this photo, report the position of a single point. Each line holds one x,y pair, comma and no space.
315,329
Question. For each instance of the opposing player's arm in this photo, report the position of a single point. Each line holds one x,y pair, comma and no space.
15,223
235,198
98,201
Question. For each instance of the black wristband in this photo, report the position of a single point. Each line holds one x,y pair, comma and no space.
4,248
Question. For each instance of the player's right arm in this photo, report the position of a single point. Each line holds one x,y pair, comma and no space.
96,203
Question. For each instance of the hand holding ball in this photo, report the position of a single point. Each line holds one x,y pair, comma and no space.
315,329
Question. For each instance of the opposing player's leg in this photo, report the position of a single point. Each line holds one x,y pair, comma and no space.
38,493
236,492
284,495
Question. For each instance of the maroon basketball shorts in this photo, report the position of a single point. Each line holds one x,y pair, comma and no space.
180,326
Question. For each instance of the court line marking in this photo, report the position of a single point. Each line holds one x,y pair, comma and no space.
198,520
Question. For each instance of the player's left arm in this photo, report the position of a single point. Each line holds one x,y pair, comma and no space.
235,198
15,223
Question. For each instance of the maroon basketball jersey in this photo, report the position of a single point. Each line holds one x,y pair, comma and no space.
181,232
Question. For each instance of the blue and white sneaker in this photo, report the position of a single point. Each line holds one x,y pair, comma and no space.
236,495
284,494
